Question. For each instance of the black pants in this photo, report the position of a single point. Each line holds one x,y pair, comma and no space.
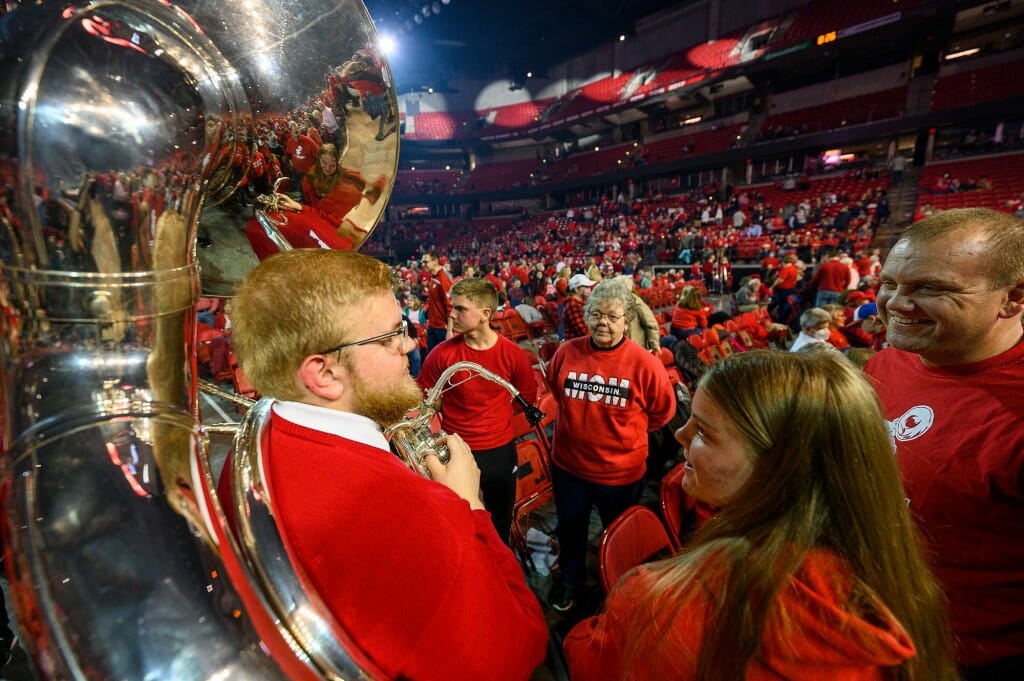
574,498
498,484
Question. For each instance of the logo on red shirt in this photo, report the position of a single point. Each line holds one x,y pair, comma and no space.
614,391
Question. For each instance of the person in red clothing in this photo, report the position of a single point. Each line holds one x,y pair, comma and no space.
809,570
479,410
610,393
689,316
490,274
836,337
831,278
784,286
329,192
334,189
709,270
439,307
301,152
574,324
769,265
952,298
562,281
321,332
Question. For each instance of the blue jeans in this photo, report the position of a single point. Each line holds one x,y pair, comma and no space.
827,298
415,361
434,337
574,498
680,334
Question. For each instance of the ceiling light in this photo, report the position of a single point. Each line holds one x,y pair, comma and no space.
962,53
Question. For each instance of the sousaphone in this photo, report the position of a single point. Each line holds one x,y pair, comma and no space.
129,133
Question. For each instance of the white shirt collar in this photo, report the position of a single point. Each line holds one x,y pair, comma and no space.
343,424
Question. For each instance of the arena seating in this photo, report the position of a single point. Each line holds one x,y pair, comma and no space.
436,125
586,164
1005,172
847,189
987,84
427,181
698,144
875,106
672,74
504,175
591,96
636,536
515,116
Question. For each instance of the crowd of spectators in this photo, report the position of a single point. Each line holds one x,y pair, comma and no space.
618,235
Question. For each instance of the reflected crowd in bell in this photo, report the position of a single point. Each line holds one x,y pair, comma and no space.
140,148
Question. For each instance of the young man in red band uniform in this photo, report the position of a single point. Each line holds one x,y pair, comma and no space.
952,298
611,392
411,568
479,410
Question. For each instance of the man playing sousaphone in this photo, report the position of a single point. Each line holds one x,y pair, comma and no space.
412,568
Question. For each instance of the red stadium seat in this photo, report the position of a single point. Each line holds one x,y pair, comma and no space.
637,536
533,488
675,504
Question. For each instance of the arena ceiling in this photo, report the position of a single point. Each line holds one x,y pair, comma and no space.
438,40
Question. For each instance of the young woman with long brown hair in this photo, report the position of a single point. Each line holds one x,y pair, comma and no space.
329,192
810,570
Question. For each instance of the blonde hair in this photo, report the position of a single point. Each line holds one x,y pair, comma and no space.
295,304
690,298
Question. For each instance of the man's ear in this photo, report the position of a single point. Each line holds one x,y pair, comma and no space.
322,377
1013,306
1017,293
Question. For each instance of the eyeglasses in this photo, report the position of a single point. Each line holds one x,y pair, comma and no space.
402,331
598,316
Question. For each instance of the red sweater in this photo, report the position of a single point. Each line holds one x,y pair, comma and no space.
422,583
343,197
479,410
302,152
959,436
788,276
309,228
685,318
831,275
823,641
608,400
437,293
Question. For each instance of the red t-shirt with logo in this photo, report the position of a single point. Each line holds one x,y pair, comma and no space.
959,437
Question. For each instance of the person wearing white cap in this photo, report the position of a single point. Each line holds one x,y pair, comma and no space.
572,313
